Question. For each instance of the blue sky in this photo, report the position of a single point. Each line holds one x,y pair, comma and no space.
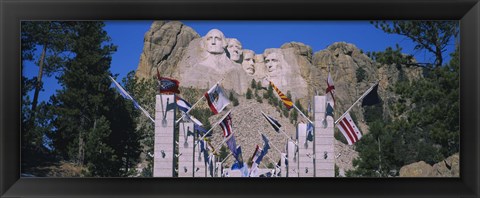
254,35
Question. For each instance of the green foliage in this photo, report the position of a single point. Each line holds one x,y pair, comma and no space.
223,153
259,85
391,56
374,112
432,36
339,136
426,124
202,113
270,165
427,129
337,171
360,74
259,99
253,85
53,39
233,99
249,94
91,124
101,158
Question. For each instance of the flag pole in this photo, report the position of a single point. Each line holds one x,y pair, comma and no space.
176,122
293,104
283,131
211,129
200,99
224,140
361,97
278,150
301,113
131,98
271,161
230,154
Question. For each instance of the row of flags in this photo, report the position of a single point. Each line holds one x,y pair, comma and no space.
218,101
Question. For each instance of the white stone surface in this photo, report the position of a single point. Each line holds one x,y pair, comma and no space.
185,149
292,160
164,140
283,166
199,163
305,154
324,141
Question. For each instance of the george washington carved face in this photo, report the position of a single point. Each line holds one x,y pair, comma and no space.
215,42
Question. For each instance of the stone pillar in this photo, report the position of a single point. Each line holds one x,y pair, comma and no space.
185,150
199,163
324,141
283,166
305,152
292,168
218,169
211,171
164,145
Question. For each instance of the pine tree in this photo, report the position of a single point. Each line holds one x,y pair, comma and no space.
93,123
427,123
433,36
249,94
52,38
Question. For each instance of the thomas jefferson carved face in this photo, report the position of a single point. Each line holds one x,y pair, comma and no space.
272,62
234,49
215,42
248,63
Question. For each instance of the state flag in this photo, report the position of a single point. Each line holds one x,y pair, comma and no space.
330,91
274,123
372,97
167,85
226,125
286,101
349,130
216,98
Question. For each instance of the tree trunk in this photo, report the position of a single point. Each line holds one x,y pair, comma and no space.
38,86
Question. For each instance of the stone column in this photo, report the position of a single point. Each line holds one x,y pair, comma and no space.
305,152
218,169
292,168
199,163
324,141
185,150
164,145
283,166
211,172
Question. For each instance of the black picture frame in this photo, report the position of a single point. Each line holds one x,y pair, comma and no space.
12,12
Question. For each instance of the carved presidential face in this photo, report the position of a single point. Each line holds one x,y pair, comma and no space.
248,63
215,41
234,48
272,62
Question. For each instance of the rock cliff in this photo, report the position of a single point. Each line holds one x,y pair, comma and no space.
179,52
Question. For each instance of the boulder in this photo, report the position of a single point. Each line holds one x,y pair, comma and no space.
417,169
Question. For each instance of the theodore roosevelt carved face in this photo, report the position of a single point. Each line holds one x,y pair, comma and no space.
215,42
234,49
248,63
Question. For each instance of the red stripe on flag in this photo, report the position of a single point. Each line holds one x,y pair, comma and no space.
351,129
210,104
346,131
228,129
330,88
